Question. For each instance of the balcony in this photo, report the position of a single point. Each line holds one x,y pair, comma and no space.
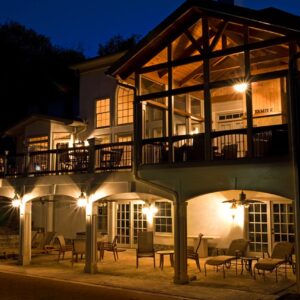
267,142
271,141
97,158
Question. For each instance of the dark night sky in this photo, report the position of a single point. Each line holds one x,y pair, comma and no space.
83,25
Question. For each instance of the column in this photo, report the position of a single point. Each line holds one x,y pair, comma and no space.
91,239
112,222
180,242
25,234
49,220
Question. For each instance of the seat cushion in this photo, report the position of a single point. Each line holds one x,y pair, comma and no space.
268,264
219,260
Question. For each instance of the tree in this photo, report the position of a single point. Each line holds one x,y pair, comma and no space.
117,43
34,75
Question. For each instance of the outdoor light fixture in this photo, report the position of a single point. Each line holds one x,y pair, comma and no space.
241,87
16,201
81,201
149,209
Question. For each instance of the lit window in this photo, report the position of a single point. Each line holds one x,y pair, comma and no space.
102,218
125,106
163,218
103,112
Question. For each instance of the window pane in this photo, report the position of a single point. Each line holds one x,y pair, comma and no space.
125,105
103,112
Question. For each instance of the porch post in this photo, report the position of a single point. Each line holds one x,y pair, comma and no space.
91,239
112,223
49,215
25,234
180,242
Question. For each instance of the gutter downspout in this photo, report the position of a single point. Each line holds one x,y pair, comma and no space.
180,225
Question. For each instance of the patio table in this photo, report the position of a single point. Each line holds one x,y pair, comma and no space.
162,253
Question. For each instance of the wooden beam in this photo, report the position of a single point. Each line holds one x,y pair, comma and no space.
195,43
176,110
222,26
191,75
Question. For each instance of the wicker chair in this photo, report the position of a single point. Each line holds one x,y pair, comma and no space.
281,255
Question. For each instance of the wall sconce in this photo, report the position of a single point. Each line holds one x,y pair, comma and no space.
149,211
82,201
16,201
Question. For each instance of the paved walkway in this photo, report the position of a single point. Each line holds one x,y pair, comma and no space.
123,274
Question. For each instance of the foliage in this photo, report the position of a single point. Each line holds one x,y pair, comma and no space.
35,75
117,44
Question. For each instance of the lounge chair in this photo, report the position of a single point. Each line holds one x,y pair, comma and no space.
43,242
236,249
192,253
281,255
109,246
145,247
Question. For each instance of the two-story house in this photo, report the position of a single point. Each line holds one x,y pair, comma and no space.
199,113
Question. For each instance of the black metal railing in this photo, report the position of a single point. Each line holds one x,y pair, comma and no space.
269,141
95,158
225,145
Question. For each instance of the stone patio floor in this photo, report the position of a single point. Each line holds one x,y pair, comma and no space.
124,274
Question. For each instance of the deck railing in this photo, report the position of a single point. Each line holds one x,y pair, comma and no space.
271,141
225,145
95,158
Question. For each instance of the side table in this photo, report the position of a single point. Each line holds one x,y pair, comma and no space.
247,263
162,253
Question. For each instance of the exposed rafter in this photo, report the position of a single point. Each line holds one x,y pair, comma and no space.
195,43
222,26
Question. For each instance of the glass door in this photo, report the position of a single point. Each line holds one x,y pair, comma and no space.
283,223
258,227
269,223
130,220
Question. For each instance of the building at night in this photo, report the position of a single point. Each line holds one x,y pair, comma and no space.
200,112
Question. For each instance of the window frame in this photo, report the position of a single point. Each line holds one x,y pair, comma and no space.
102,113
156,217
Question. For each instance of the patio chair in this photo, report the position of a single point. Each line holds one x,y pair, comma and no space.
109,246
145,247
110,158
64,159
63,247
192,253
43,242
236,249
78,249
281,255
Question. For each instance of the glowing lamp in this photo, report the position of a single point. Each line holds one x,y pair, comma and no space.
16,201
241,87
81,201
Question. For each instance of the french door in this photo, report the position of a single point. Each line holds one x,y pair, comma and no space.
130,220
269,223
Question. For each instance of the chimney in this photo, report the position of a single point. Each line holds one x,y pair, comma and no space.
229,2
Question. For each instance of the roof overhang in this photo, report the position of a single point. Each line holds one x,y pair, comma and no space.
188,13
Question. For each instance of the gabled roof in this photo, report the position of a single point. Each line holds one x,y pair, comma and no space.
186,15
36,117
97,62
